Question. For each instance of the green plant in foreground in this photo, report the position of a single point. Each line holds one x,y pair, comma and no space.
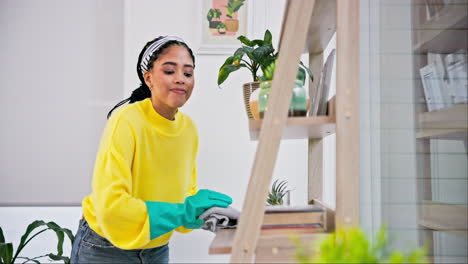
278,191
352,246
8,256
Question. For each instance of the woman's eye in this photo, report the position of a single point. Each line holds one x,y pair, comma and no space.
188,74
168,72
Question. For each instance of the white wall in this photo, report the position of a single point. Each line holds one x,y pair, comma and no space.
56,73
226,153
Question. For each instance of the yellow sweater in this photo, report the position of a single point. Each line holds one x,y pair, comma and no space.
142,157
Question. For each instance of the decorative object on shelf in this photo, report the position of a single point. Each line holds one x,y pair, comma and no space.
299,100
298,106
263,98
434,87
457,73
352,246
433,8
9,256
319,101
277,193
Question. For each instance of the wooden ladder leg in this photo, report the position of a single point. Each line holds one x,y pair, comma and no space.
292,42
347,113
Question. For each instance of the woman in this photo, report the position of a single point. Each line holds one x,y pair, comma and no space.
144,183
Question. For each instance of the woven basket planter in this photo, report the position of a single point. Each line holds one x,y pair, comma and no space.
248,89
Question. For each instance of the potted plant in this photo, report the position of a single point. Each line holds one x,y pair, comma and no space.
352,246
213,14
259,54
221,28
253,55
232,24
9,256
277,193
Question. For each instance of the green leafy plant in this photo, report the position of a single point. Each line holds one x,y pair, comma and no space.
352,246
259,52
277,193
8,256
233,6
221,25
269,71
213,13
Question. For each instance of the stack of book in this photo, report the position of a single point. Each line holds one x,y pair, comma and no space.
293,219
445,79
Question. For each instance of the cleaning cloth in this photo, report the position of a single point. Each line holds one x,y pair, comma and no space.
219,217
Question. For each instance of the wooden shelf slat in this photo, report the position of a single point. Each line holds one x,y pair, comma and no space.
451,23
444,217
322,26
299,127
450,134
223,241
447,123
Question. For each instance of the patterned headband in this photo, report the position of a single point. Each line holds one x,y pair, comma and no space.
153,48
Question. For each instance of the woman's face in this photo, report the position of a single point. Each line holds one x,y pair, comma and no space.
171,80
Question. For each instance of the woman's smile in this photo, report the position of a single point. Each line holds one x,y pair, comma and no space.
179,91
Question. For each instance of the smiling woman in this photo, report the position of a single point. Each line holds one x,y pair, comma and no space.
171,80
145,181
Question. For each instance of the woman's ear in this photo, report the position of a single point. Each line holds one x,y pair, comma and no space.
147,78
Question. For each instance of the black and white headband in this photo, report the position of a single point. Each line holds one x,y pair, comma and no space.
153,48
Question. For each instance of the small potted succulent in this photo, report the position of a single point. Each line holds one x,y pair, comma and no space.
278,193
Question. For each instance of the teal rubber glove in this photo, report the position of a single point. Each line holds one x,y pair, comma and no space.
165,217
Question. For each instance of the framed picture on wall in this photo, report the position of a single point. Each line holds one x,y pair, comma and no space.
219,23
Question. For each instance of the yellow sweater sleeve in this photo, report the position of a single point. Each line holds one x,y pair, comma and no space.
192,191
122,218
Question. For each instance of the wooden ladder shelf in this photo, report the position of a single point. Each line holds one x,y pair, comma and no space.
309,22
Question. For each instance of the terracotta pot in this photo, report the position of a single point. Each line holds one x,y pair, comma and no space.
232,25
248,89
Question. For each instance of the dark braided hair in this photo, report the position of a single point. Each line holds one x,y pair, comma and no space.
143,91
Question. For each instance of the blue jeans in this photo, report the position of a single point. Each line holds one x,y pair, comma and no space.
89,247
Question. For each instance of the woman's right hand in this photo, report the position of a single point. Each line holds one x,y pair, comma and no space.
196,204
165,217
